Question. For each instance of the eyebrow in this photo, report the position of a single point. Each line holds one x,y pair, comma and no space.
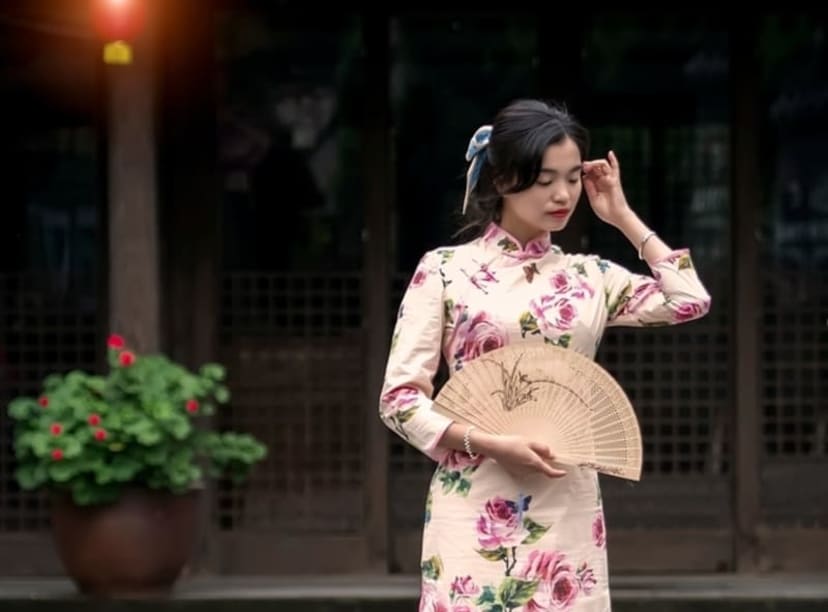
553,172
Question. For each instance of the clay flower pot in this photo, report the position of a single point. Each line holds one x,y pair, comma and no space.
136,546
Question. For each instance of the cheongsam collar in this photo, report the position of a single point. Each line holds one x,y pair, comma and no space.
498,238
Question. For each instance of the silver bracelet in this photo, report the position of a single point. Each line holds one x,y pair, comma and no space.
643,242
467,443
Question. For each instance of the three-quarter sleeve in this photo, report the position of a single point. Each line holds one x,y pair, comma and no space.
673,294
406,398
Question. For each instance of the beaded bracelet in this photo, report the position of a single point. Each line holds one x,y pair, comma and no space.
467,442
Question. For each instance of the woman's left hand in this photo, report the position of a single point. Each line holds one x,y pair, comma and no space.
602,182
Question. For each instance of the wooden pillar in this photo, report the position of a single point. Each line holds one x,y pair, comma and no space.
134,287
376,284
744,221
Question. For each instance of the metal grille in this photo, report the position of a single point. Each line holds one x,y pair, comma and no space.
293,346
678,380
794,388
41,332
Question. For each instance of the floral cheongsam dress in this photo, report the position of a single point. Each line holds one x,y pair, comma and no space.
491,542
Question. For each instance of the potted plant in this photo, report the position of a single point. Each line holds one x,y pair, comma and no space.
124,458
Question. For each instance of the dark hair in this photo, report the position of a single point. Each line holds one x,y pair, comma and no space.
521,133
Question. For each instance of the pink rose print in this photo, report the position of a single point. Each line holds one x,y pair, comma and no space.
558,594
599,531
419,277
476,336
543,566
566,285
641,293
399,399
459,460
586,579
559,585
691,310
501,525
431,600
463,607
464,587
565,589
553,313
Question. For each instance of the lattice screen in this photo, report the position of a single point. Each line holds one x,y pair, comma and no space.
294,349
41,331
794,395
678,380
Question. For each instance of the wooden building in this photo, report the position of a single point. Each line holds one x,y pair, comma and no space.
257,185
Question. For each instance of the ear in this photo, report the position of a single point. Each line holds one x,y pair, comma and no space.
502,185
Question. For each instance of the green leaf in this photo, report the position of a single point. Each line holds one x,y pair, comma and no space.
514,593
536,531
463,487
405,415
498,554
62,471
124,468
528,324
488,596
22,407
31,476
432,568
222,395
179,427
613,307
213,371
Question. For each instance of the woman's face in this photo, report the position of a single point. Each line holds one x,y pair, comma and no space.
547,205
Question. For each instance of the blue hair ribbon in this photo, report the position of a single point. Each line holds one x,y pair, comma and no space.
475,154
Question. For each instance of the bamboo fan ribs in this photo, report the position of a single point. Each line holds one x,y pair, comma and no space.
553,395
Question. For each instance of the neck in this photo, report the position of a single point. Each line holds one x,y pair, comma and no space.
520,231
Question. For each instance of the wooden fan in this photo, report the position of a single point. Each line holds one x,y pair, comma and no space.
552,395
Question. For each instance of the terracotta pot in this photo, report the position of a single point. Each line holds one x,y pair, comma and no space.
136,546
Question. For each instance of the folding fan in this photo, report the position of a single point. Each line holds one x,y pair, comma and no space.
552,395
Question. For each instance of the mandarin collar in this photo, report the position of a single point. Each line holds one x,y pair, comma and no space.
496,237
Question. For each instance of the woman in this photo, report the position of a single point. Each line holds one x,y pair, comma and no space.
505,530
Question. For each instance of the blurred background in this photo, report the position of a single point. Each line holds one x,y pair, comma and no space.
285,165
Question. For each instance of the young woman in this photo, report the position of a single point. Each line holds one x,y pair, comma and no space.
504,529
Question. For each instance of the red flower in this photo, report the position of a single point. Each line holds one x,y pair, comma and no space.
94,420
56,429
43,401
126,358
192,406
100,434
115,342
57,454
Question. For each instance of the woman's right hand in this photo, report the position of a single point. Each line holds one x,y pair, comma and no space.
521,457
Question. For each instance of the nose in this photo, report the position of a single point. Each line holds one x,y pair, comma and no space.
560,195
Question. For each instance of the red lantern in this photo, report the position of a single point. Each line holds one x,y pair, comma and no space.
118,19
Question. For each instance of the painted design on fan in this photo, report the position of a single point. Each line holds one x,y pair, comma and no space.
518,388
502,526
455,472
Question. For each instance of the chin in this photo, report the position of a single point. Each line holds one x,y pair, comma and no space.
554,225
